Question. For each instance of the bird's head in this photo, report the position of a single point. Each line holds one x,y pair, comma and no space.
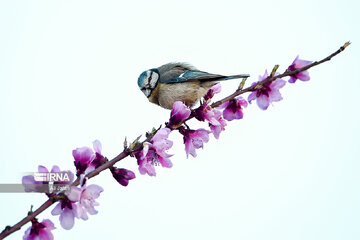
148,81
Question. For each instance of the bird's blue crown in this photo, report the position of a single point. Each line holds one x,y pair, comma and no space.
142,78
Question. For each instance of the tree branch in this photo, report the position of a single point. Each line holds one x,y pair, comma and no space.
138,146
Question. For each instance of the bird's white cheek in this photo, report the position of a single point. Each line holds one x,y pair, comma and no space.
154,80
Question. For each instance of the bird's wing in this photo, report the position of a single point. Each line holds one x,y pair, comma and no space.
189,76
178,72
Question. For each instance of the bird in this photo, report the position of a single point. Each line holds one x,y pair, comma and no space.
178,81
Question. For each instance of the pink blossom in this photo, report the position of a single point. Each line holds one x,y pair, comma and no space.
146,160
216,129
233,108
39,231
68,211
213,116
212,91
194,139
179,113
267,93
85,198
206,112
78,202
122,175
161,143
99,159
154,153
83,157
86,159
299,63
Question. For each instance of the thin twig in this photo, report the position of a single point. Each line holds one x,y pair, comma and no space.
272,78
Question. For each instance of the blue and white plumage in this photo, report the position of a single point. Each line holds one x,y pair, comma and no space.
178,82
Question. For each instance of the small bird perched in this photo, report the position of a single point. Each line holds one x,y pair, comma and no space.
178,82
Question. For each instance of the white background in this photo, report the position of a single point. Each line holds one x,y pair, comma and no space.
68,74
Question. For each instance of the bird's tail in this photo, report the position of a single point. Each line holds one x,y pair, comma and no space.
233,77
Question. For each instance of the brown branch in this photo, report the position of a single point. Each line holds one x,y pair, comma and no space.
127,151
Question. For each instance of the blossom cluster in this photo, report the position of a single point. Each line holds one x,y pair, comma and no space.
74,202
154,153
78,202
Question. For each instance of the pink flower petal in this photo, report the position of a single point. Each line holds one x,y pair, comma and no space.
91,210
74,194
295,60
67,219
165,162
239,114
27,234
82,213
147,168
263,102
57,209
275,96
252,96
55,169
216,88
242,101
224,105
203,134
216,130
277,84
264,76
303,76
45,235
189,149
228,114
93,191
97,146
197,143
83,155
48,224
211,92
299,63
42,169
292,79
163,133
179,113
162,145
